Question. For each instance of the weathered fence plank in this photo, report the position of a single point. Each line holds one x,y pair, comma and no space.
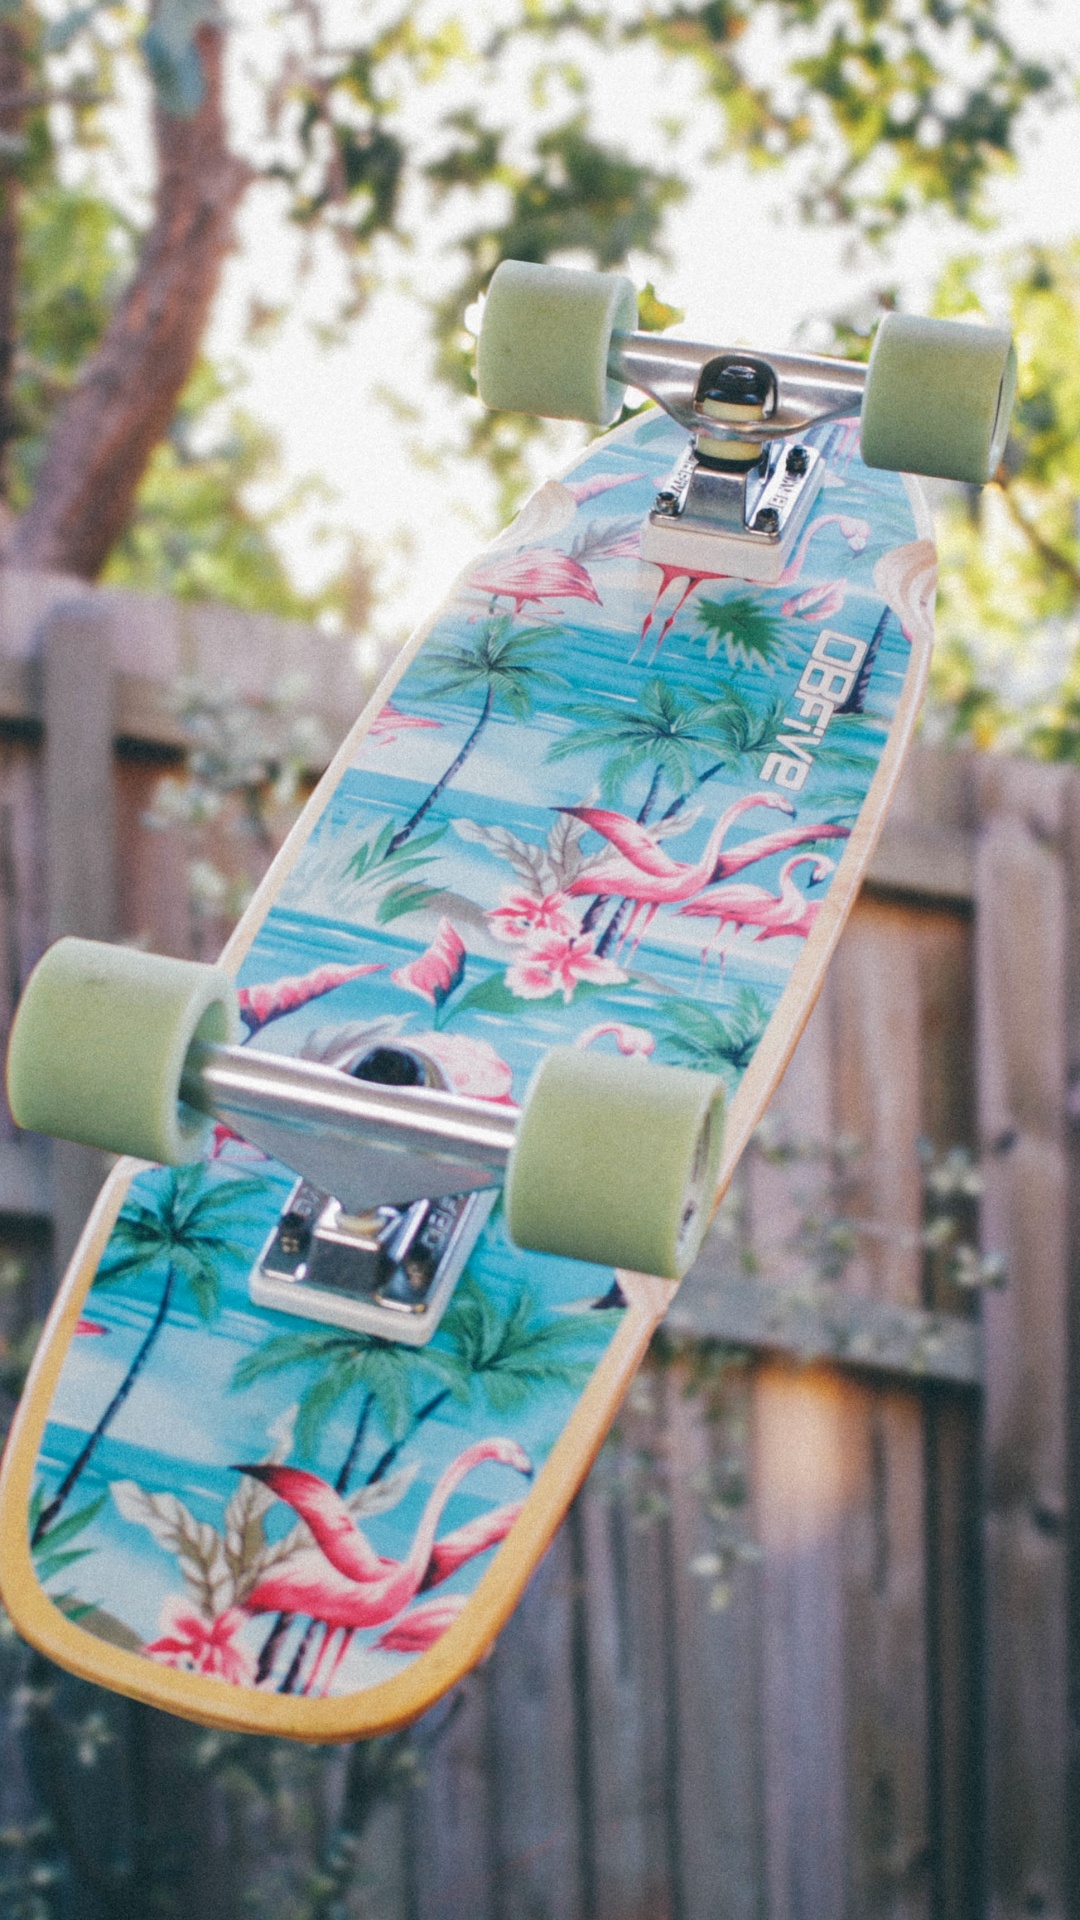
626,1709
533,1755
451,1812
1021,927
1071,844
716,1662
81,863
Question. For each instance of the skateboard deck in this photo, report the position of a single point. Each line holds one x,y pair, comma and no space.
517,845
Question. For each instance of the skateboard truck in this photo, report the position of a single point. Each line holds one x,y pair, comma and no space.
342,1252
743,489
934,398
390,1270
608,1160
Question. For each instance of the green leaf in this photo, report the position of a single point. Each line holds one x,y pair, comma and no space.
492,996
50,1564
72,1609
410,898
64,1530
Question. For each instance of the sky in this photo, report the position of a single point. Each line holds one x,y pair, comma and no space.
740,264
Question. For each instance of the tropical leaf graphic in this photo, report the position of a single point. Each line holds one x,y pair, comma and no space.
197,1546
244,1543
544,869
382,1494
54,1552
714,1042
750,636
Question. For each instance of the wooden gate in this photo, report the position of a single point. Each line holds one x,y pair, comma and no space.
808,1645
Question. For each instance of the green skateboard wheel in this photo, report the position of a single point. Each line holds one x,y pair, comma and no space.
98,1047
545,338
939,395
616,1161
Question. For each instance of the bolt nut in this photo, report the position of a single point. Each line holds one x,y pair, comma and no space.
798,459
767,520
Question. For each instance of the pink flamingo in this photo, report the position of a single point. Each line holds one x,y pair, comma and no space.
825,600
822,601
668,574
552,509
342,1582
390,722
540,573
648,876
786,912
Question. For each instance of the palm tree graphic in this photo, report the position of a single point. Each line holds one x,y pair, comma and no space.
665,733
748,633
184,1233
658,735
496,662
701,1038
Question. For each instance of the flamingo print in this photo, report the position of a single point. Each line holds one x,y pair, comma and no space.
786,912
649,877
823,601
668,574
818,602
552,509
342,1582
391,722
541,573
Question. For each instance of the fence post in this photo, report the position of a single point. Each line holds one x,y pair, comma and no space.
1022,927
1072,1442
78,696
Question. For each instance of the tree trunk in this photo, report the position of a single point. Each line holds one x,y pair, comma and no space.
404,833
856,700
126,396
13,91
78,1466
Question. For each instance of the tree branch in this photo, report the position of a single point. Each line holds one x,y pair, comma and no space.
14,99
127,393
1053,557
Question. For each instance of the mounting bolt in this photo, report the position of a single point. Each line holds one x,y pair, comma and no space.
666,502
798,459
766,520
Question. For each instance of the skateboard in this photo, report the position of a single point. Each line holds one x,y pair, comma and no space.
411,1177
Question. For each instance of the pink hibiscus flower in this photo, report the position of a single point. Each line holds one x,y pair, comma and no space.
557,964
203,1646
438,971
521,916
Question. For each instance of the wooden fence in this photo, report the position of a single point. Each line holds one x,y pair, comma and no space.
809,1643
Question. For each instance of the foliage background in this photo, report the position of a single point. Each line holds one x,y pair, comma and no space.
391,156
